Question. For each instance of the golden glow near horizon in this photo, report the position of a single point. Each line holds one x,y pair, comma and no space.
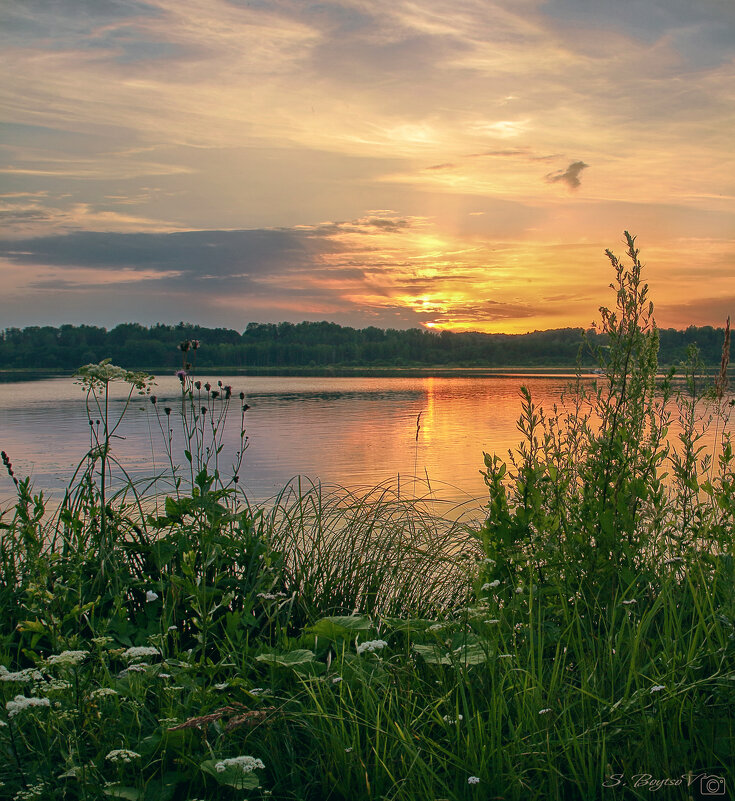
396,163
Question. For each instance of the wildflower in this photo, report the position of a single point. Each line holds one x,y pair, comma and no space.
32,792
167,410
492,620
505,656
101,692
122,755
347,750
473,780
519,590
181,375
195,344
137,667
629,602
450,719
55,686
336,679
674,560
246,763
3,723
544,711
154,400
172,628
657,688
67,658
139,651
164,675
20,702
259,691
222,686
150,596
371,645
491,585
27,674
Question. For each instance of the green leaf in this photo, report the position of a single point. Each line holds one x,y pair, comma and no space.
232,775
432,655
340,626
130,793
301,656
468,654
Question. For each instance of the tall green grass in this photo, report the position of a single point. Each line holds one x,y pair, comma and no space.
336,644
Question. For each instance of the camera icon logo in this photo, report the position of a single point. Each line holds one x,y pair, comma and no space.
712,786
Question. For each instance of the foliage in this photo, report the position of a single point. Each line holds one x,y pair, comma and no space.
319,346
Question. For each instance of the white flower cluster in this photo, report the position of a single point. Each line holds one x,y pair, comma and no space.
473,780
657,688
270,596
101,692
32,792
136,667
371,645
54,686
67,658
150,596
490,585
27,674
450,719
122,755
246,763
140,651
20,702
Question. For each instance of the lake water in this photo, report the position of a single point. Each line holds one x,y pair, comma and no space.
355,432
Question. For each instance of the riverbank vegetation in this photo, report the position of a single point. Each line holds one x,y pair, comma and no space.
579,644
320,347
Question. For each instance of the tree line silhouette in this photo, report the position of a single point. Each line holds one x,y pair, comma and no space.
318,345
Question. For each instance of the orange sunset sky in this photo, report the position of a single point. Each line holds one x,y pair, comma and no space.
397,163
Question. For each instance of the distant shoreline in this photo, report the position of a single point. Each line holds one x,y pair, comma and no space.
442,371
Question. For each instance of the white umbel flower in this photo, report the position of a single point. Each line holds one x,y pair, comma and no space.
140,651
67,658
20,702
246,763
371,645
122,755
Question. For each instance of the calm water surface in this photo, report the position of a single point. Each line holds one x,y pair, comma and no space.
355,432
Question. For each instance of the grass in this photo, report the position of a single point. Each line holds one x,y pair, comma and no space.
578,644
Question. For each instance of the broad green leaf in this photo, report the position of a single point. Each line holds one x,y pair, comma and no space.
340,626
300,656
129,793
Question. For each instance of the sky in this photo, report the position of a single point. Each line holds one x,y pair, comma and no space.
400,163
